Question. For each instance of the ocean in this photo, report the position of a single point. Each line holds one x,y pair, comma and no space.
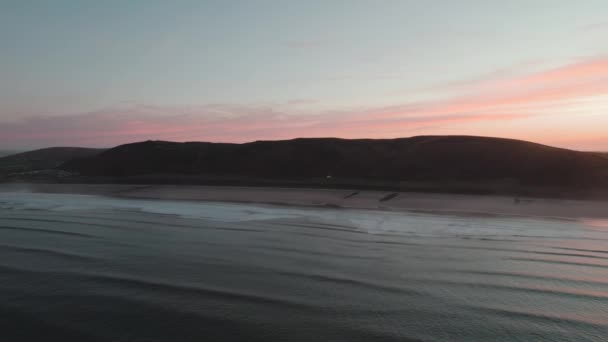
88,268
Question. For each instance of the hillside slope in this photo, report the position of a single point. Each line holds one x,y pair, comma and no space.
424,158
4,153
47,158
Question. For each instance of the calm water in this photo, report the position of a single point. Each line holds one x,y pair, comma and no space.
88,268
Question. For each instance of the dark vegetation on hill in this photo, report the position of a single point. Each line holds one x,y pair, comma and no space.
4,153
435,159
44,159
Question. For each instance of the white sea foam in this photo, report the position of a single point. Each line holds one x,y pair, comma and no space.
370,221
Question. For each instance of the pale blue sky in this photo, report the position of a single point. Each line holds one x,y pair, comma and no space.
300,58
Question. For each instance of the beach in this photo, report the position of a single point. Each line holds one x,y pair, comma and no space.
338,198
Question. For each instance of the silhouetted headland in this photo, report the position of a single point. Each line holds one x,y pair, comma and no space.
462,164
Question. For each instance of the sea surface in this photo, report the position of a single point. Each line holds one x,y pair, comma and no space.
86,268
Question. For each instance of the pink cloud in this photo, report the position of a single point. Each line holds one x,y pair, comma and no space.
587,70
524,93
493,102
112,127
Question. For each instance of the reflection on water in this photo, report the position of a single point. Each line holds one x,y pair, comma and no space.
90,268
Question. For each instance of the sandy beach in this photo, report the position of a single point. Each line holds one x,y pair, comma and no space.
342,198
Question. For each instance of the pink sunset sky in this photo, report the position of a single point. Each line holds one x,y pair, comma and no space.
396,74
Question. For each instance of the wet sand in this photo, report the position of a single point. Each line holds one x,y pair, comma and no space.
338,198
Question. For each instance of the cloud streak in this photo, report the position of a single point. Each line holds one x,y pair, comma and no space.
522,94
491,101
116,126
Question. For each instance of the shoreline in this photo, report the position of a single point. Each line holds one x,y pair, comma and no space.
452,204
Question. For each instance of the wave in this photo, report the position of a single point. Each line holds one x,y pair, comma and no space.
46,231
47,252
546,318
560,262
89,268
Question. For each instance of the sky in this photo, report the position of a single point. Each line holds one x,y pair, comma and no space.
103,73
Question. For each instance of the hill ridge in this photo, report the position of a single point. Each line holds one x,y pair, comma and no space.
420,158
42,159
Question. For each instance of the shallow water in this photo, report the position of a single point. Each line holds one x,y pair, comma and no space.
90,268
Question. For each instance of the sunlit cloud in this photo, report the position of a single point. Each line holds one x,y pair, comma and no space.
520,94
122,125
491,101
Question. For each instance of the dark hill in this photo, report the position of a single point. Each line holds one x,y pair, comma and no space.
4,153
417,159
47,158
